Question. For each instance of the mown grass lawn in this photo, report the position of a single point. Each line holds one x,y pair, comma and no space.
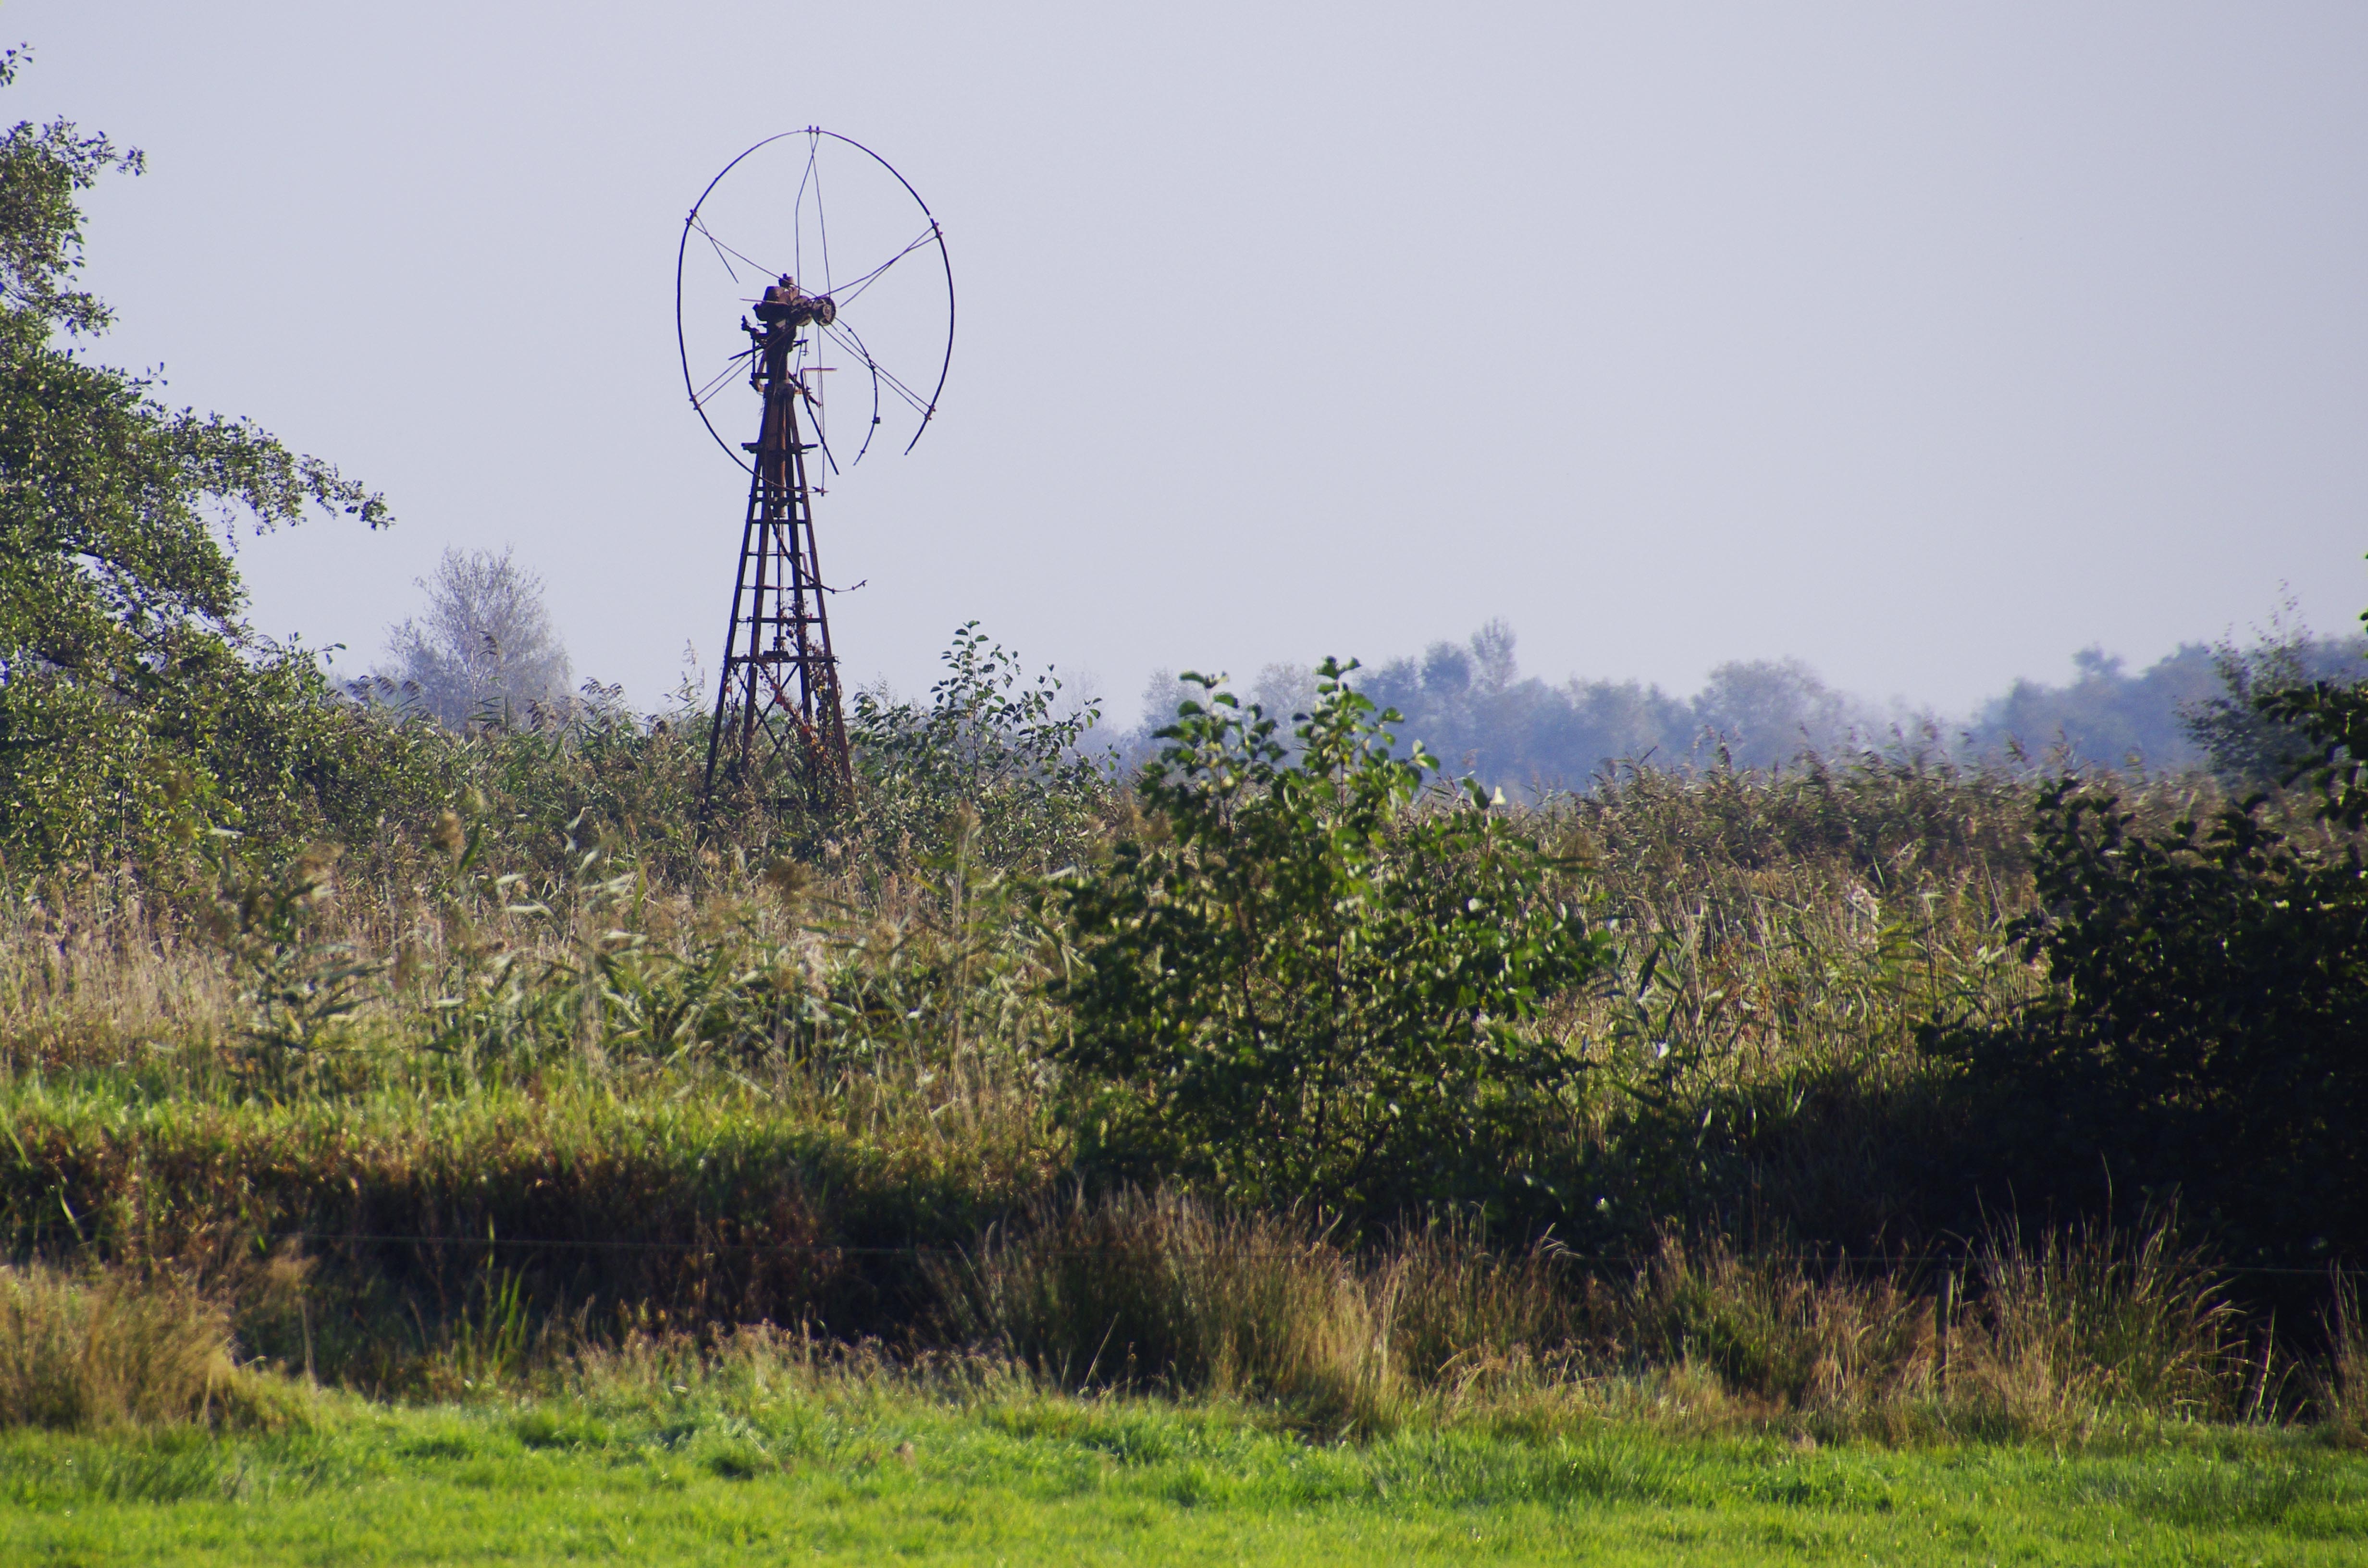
892,1478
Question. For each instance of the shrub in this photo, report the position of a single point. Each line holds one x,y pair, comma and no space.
2332,749
2209,993
2248,733
989,745
1307,984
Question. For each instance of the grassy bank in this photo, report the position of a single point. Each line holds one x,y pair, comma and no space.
660,1461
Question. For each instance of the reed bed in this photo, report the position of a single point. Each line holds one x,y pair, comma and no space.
431,1122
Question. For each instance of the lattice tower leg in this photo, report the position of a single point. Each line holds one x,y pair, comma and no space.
779,719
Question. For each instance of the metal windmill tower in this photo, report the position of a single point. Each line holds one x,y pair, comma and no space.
777,706
778,734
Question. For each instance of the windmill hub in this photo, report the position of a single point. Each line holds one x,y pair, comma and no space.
786,304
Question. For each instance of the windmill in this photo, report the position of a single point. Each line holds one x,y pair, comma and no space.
762,242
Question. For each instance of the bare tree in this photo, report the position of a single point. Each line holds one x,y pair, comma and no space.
484,651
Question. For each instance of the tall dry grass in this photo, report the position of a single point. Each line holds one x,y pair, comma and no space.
1160,1290
2048,1337
2338,1381
102,1350
1156,1288
2092,1316
94,974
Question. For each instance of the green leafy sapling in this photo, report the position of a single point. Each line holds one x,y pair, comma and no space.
1306,973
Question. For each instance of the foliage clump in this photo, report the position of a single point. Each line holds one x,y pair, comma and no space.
990,748
1301,978
131,697
2209,996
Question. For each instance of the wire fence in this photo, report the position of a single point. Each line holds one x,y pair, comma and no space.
916,1251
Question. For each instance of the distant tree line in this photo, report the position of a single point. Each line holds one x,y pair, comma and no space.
1469,704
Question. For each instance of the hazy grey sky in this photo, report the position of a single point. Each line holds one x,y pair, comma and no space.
1926,343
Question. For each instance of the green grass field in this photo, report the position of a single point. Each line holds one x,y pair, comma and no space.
872,1474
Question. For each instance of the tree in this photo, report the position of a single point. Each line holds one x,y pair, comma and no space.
2330,720
2104,716
1471,705
131,694
485,650
1302,980
1764,712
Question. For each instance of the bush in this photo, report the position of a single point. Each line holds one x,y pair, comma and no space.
988,744
2209,994
1305,983
2210,990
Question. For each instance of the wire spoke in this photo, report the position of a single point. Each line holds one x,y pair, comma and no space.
722,249
920,404
887,378
854,290
821,224
877,367
873,365
726,260
798,206
731,369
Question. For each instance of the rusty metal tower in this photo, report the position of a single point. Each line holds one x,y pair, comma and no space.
778,734
778,713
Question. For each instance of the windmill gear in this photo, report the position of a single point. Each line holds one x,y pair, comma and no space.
787,304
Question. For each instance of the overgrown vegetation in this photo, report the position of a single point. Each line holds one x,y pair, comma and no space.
2209,993
495,1103
1305,981
1869,1097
